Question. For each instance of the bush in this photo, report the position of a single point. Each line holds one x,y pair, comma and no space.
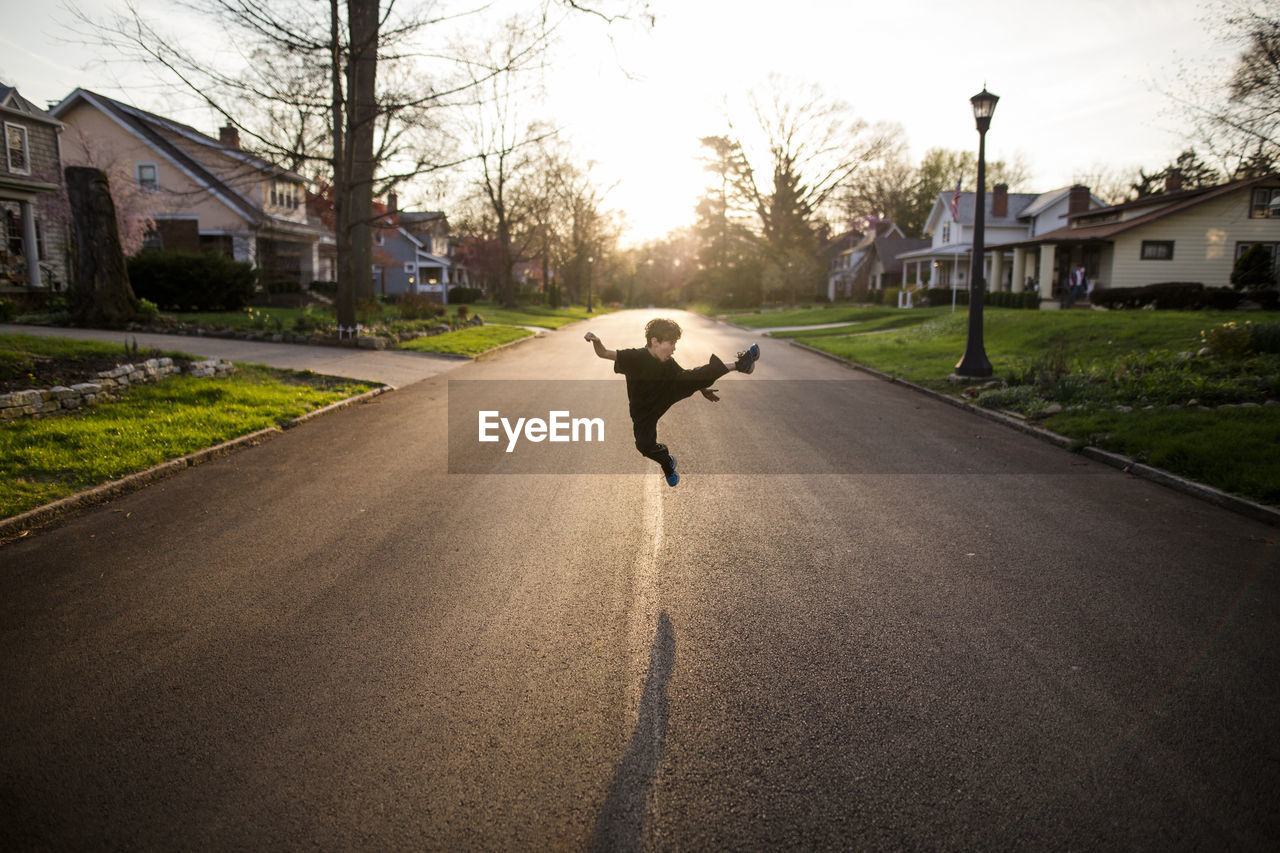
940,296
1168,296
328,288
193,281
284,287
465,294
6,310
1254,270
1265,337
416,306
1006,299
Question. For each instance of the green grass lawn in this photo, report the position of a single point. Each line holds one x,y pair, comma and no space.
534,315
51,458
826,314
1091,363
471,341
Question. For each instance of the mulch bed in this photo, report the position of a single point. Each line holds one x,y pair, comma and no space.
42,372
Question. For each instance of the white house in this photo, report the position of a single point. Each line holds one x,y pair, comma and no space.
1011,219
1178,235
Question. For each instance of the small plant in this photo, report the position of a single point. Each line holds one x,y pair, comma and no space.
1230,341
262,321
462,313
309,321
147,309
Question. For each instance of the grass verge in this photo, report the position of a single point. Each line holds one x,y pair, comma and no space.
48,459
471,341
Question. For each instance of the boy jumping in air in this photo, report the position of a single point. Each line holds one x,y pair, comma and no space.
655,383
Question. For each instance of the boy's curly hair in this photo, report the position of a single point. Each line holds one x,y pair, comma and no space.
662,329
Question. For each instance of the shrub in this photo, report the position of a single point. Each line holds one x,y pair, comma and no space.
328,288
1005,299
889,296
939,296
465,294
6,310
284,287
416,306
1172,295
198,281
1254,270
1265,337
148,309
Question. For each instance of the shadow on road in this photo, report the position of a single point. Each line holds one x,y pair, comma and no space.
621,822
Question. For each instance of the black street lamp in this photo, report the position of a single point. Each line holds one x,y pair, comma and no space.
591,262
974,364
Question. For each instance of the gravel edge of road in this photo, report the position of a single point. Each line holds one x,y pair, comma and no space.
1209,494
41,516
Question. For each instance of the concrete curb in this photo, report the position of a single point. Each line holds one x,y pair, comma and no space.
1217,497
16,526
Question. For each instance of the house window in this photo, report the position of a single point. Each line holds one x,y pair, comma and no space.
15,140
148,177
378,239
14,227
1157,250
946,233
285,194
1263,199
153,239
410,268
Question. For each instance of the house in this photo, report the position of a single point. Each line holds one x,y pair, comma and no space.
872,263
32,206
1010,220
1178,235
201,193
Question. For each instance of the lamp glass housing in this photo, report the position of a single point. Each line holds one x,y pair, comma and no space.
984,104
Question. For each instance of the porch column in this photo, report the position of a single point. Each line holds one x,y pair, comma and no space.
29,246
1019,270
996,282
1046,275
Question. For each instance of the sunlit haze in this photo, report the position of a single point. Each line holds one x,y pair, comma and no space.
1081,88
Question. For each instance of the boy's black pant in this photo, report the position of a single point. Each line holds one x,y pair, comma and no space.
686,384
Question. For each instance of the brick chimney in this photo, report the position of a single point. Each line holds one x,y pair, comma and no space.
391,202
1077,199
1172,181
229,136
999,201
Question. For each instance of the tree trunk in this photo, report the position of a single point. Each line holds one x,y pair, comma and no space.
100,294
362,113
346,301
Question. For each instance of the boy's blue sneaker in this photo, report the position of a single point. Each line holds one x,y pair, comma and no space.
747,359
671,475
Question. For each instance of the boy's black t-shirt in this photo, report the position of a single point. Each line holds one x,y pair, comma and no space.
648,381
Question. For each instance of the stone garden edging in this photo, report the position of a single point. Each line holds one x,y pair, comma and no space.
110,384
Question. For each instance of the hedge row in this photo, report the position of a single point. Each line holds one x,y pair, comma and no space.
1180,296
192,281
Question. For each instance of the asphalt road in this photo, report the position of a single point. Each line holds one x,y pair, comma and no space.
863,620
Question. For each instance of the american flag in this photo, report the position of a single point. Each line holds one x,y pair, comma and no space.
955,201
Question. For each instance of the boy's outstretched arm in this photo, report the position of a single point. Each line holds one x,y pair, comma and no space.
612,355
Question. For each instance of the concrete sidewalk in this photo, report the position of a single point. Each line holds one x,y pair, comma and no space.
396,368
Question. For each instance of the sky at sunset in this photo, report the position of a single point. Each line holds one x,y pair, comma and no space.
1081,85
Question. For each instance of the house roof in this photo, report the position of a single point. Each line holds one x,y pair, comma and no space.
12,101
890,248
967,207
151,129
1162,206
